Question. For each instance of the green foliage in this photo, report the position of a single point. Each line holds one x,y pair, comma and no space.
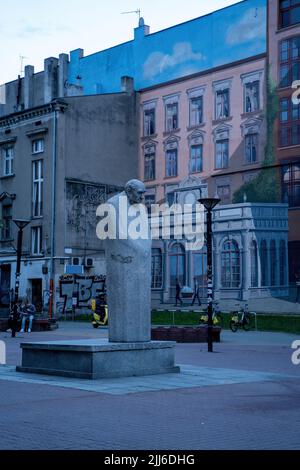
265,187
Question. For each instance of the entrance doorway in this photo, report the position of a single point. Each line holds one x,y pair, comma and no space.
37,294
5,275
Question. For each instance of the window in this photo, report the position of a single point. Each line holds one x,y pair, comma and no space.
251,97
8,161
171,117
289,116
222,154
264,263
196,163
251,148
38,146
7,222
273,263
37,193
222,104
254,264
291,184
282,262
156,269
230,262
289,13
196,111
149,122
36,240
149,200
224,194
171,162
200,270
149,163
289,61
177,264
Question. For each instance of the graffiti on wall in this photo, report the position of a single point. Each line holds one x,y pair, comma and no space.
83,288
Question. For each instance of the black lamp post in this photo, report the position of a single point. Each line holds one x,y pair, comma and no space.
209,204
21,224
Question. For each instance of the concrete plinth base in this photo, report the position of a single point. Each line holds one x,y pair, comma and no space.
95,359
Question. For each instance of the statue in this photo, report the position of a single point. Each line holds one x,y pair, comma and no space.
128,264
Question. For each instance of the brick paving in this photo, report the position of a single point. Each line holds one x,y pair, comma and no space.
251,415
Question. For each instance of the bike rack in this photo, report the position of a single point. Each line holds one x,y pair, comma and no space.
255,315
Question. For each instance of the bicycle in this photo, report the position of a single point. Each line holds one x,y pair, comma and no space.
244,322
217,317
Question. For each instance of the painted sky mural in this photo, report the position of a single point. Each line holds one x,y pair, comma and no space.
225,36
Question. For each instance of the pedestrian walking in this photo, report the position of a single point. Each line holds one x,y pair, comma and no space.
178,293
196,292
298,287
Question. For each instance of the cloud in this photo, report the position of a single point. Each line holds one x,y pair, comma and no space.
158,62
252,26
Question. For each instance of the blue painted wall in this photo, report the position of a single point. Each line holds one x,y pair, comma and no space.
225,36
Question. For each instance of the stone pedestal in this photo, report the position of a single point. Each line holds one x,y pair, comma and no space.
96,359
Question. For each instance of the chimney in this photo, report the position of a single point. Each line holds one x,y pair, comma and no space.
63,63
127,85
50,79
28,87
142,30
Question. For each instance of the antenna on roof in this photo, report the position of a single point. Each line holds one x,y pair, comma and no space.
22,57
137,12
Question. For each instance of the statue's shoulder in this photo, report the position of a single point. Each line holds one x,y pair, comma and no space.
115,200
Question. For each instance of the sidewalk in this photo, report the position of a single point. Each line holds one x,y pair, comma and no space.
236,398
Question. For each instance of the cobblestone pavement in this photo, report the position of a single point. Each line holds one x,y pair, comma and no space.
260,414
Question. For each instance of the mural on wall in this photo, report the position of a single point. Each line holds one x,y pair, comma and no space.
227,35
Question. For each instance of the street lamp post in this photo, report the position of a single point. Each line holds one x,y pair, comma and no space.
21,224
209,204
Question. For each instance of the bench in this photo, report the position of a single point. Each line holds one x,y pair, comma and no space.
39,324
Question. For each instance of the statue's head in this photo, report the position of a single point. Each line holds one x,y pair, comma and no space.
135,191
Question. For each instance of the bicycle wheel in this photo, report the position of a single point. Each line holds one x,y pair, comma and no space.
246,324
233,326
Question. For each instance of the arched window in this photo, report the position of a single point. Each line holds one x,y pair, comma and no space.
231,267
282,263
156,269
264,263
254,264
273,263
200,269
177,264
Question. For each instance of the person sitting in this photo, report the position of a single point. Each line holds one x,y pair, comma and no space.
28,314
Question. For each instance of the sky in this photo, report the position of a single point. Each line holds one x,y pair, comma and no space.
35,29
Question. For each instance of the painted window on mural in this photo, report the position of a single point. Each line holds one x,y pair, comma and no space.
171,117
252,97
37,190
289,61
273,262
156,269
289,116
36,240
171,162
222,104
149,163
149,200
230,262
8,161
254,264
7,222
291,183
289,13
177,264
196,159
264,263
222,154
251,148
282,262
196,111
224,193
149,122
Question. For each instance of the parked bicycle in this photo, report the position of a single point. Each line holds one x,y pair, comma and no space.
217,316
241,319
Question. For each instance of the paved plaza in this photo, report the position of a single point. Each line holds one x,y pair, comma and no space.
246,395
